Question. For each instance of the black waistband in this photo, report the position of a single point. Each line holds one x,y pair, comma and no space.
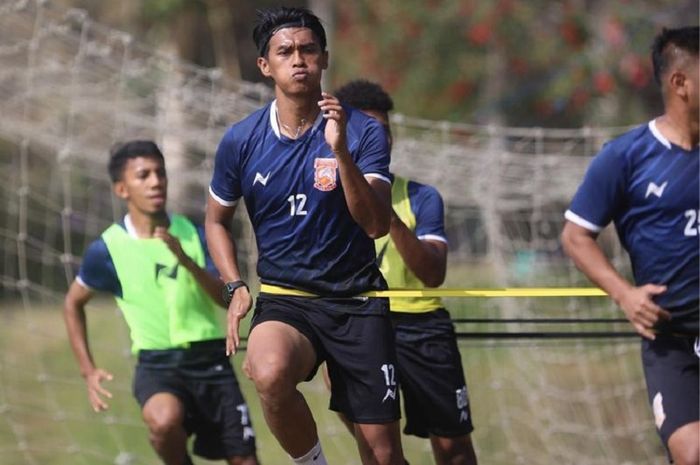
197,352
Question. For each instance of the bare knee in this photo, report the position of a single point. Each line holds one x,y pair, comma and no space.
379,444
453,451
272,378
163,418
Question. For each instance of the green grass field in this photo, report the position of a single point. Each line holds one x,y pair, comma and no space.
534,403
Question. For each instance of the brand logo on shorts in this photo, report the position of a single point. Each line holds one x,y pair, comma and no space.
462,397
658,408
463,416
325,174
389,393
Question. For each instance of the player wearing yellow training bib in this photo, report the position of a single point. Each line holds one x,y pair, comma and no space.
414,255
158,269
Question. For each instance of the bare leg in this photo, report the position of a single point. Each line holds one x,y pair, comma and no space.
164,415
379,444
238,460
453,451
684,444
278,358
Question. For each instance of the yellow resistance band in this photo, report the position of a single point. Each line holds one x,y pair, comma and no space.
502,292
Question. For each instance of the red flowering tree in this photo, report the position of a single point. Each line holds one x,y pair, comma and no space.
535,63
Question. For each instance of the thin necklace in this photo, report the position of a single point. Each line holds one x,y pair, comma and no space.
297,133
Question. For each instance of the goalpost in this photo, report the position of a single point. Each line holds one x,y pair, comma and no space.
70,88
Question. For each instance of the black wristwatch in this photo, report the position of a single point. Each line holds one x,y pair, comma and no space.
230,287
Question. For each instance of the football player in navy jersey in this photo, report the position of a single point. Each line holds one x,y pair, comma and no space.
315,181
646,183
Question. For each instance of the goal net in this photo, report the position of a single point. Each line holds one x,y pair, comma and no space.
70,88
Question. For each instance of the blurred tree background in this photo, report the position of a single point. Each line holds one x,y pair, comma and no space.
543,63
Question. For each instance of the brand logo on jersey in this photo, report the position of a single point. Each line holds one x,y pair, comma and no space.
658,191
163,270
658,408
259,178
389,393
325,174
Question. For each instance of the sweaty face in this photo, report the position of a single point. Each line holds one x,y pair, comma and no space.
294,60
144,185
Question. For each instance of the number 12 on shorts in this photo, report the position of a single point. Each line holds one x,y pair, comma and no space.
390,381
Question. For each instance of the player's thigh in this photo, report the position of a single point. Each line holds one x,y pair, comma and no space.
671,371
684,444
278,351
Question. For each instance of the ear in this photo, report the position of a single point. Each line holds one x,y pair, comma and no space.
264,66
677,82
120,190
324,59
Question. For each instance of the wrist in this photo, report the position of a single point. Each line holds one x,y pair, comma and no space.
230,288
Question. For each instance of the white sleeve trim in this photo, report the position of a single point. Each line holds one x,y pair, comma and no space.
225,203
80,281
378,176
574,218
432,237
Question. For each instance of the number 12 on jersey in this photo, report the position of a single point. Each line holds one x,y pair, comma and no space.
297,204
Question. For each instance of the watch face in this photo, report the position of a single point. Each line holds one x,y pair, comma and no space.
230,288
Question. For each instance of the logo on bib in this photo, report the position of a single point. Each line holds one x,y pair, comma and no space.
325,174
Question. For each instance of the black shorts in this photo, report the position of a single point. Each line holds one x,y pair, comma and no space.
671,372
354,337
431,375
203,379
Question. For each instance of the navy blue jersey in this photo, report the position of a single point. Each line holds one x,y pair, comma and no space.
649,188
428,208
97,270
305,234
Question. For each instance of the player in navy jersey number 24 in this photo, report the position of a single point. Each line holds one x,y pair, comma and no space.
315,180
646,183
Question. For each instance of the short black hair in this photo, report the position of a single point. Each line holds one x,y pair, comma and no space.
365,95
684,38
123,152
272,20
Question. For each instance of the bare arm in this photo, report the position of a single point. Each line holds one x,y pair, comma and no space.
367,198
427,259
636,302
76,325
212,285
223,251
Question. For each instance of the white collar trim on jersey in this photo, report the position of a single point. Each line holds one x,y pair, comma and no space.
276,127
655,131
129,226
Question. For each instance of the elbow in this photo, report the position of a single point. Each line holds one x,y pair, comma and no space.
568,241
380,228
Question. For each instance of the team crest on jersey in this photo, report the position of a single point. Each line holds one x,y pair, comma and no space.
325,170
